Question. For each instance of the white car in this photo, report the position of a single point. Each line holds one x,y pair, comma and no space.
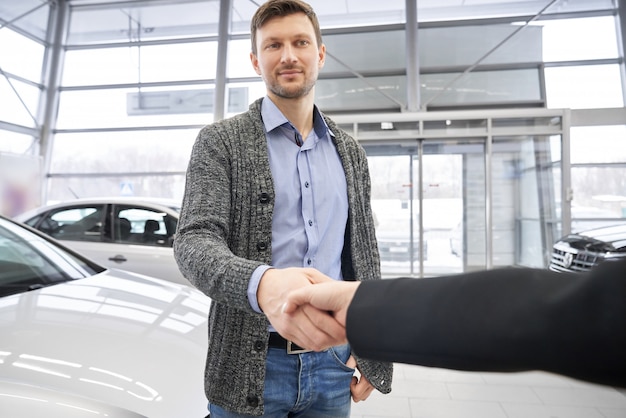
130,233
79,340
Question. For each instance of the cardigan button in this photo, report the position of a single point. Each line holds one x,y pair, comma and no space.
259,345
264,198
261,246
252,400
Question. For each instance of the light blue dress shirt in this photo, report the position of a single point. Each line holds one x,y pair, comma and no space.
311,205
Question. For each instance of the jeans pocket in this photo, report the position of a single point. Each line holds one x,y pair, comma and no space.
341,354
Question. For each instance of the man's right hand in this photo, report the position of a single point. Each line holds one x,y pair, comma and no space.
303,325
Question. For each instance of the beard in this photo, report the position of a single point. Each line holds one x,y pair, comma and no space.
292,91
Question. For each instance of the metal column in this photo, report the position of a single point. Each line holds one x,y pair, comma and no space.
219,105
413,101
56,36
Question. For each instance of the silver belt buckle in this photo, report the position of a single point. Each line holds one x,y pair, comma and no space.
293,351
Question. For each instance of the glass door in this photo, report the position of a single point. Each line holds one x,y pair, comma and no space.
453,200
438,211
462,191
430,210
396,208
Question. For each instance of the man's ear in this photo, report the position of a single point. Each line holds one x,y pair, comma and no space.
322,56
255,63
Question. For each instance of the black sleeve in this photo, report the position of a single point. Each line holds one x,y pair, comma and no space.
505,320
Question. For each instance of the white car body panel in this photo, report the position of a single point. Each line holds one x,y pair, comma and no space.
151,261
116,344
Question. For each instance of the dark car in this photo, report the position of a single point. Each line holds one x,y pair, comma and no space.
583,250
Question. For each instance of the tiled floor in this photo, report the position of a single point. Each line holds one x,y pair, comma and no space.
422,392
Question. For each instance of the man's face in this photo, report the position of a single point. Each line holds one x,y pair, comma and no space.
288,58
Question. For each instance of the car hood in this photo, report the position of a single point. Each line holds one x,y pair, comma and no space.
607,238
115,344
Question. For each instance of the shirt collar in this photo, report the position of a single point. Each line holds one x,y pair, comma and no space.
273,118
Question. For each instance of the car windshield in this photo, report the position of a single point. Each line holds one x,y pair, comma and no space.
29,262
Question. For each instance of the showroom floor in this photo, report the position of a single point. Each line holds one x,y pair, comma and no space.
421,392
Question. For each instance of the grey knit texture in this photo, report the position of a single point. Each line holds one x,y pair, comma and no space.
225,233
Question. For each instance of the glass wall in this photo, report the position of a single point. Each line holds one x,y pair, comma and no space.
22,57
581,73
21,63
598,172
136,88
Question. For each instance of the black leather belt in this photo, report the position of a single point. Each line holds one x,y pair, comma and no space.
277,341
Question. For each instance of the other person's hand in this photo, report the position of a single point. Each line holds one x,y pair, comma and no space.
325,304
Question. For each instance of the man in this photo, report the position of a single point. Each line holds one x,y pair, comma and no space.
268,193
503,320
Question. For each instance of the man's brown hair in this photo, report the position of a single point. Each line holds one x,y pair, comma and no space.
280,8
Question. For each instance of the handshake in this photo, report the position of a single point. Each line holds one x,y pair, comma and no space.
306,306
506,319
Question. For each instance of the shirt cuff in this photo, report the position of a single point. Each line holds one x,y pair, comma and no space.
253,286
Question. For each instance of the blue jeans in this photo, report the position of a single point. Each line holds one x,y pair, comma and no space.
309,385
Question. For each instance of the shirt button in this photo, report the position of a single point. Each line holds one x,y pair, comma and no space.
310,222
306,184
309,261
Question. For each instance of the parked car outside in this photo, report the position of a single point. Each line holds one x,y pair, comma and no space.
394,240
132,233
398,247
583,250
79,340
456,240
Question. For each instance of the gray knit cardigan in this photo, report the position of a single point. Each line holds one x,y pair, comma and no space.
225,233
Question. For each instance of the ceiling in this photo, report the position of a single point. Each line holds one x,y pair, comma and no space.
92,19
